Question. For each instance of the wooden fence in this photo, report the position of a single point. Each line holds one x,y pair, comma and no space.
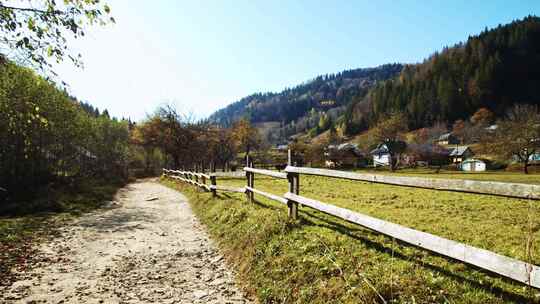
511,268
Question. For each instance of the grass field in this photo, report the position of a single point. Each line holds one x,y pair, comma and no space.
320,259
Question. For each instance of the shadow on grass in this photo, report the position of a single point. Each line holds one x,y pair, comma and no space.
348,231
73,199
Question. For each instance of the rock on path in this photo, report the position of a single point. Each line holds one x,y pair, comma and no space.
147,247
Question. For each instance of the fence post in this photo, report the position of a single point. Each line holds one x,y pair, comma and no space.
213,182
248,181
251,182
203,179
294,187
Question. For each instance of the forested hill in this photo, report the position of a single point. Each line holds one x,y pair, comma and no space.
322,93
495,69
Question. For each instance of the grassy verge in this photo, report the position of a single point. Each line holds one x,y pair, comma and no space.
38,220
320,259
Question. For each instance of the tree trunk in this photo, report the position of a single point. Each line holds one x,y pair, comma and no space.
526,167
392,164
176,160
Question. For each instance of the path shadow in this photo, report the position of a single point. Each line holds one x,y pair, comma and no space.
120,220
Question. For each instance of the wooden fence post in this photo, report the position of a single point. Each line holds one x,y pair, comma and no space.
249,194
251,182
214,183
203,179
294,187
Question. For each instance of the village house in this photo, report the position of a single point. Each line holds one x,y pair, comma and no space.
381,156
460,153
447,139
344,155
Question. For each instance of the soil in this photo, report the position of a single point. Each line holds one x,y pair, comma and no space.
145,247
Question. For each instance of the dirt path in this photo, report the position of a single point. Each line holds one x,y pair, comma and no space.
148,247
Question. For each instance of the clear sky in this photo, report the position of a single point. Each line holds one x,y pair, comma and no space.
203,55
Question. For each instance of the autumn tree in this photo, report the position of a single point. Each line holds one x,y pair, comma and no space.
225,149
315,152
177,136
429,134
147,136
246,136
459,130
482,117
390,131
476,130
518,135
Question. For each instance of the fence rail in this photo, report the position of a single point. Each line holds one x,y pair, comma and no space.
268,195
515,190
266,172
232,174
511,268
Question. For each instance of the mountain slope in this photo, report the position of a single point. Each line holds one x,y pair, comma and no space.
495,69
322,93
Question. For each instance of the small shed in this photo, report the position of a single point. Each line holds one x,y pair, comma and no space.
381,155
460,153
473,165
447,139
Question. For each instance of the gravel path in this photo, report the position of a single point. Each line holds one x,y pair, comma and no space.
147,247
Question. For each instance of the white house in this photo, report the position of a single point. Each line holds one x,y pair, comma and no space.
534,158
473,165
381,157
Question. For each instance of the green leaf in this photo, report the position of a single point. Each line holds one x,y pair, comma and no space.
31,24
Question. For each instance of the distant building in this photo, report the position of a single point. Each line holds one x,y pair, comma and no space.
460,153
535,158
473,165
381,155
344,155
447,139
282,147
492,128
327,103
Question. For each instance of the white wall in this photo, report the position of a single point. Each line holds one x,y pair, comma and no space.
474,166
382,160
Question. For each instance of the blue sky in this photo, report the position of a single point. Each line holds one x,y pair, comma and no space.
203,55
